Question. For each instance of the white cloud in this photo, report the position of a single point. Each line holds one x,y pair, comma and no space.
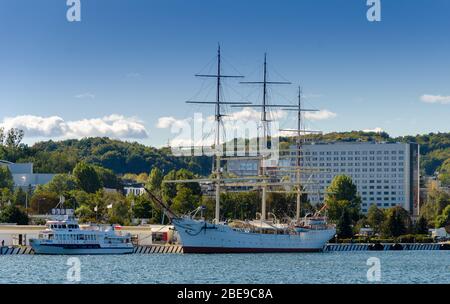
435,99
244,115
251,114
168,122
320,115
376,130
85,96
165,122
115,126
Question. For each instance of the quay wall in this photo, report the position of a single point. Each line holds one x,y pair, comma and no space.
177,249
386,247
152,249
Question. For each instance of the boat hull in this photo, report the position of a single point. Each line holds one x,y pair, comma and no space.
202,237
187,249
47,249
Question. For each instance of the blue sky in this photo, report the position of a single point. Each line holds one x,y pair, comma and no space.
129,63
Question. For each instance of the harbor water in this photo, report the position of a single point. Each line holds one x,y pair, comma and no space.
331,267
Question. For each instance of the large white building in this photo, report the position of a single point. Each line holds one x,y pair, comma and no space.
23,175
386,174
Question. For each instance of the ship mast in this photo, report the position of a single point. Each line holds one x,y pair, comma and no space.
299,131
218,119
265,126
298,163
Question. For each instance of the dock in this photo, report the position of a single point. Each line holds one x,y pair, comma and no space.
385,247
178,249
150,249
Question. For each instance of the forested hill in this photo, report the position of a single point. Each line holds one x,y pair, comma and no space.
119,156
131,157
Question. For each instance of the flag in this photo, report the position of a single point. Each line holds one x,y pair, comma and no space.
109,206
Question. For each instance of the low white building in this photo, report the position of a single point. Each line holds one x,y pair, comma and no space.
136,191
23,175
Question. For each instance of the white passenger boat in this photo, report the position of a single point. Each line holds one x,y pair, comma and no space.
63,237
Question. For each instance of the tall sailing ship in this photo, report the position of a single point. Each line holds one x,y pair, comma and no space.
197,235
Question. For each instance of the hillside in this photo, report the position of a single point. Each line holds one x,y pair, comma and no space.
131,157
119,156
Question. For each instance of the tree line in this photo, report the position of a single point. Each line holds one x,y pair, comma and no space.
344,205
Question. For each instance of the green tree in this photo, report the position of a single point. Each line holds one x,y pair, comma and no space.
444,173
375,218
142,207
14,138
436,201
184,174
14,214
108,179
87,178
85,214
236,205
421,226
6,179
43,202
443,220
342,189
19,197
77,198
62,183
155,180
169,190
344,226
13,148
185,201
5,196
120,213
397,222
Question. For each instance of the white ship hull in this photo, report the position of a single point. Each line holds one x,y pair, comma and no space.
202,237
70,249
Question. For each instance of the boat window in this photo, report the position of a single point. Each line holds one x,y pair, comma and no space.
50,236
